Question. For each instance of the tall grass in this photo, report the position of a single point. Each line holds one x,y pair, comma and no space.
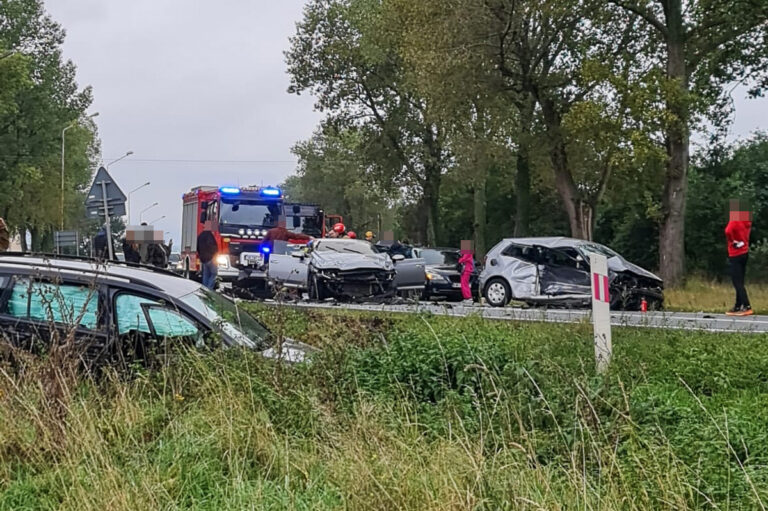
700,294
400,413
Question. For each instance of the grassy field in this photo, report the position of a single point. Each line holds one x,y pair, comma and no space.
401,413
701,294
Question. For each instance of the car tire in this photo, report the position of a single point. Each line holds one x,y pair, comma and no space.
497,292
316,291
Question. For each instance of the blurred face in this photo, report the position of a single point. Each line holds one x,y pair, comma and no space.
466,246
739,211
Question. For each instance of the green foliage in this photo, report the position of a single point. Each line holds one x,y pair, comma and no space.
41,100
402,413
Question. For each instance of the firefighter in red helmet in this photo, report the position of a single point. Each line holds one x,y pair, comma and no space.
338,231
351,235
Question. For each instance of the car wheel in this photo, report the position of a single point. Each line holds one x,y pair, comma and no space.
316,291
497,293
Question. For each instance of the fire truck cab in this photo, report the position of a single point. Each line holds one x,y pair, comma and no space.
239,219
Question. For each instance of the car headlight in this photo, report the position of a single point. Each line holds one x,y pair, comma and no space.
222,260
436,277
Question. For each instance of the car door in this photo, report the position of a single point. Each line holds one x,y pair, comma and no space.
289,266
146,327
410,274
35,310
562,273
518,264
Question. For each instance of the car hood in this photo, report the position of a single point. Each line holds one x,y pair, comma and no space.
349,261
620,265
446,269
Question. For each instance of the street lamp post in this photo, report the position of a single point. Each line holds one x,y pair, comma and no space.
126,155
141,215
129,199
63,132
156,220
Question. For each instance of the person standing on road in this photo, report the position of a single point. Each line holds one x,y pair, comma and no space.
207,248
737,234
467,263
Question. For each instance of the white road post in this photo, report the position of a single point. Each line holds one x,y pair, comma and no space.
601,311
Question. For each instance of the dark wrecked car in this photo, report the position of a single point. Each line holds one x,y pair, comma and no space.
555,271
116,312
345,269
444,274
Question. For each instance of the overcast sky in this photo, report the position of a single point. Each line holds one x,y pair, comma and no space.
197,89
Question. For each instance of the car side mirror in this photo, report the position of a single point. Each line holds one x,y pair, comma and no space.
398,257
494,262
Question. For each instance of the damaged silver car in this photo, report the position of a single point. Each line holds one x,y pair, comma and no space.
345,269
555,271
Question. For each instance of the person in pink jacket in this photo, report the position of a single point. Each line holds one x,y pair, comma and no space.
467,263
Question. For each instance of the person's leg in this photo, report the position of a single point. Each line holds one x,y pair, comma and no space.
466,290
743,269
209,275
737,269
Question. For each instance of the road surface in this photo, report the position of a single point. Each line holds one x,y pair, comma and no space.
709,322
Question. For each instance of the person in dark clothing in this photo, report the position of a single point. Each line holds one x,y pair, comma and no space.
156,255
207,248
100,244
131,252
737,235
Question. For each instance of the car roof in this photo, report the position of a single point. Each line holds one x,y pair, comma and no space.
547,241
144,276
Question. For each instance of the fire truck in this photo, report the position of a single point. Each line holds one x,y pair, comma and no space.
239,219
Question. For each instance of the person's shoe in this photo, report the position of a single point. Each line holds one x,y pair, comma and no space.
467,303
745,311
733,311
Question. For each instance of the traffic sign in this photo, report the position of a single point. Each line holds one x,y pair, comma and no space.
601,310
66,238
104,187
107,199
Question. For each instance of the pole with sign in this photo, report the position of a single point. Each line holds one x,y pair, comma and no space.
105,199
601,311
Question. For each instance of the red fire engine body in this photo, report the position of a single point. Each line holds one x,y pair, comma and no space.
239,219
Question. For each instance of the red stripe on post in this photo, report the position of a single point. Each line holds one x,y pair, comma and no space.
596,285
606,290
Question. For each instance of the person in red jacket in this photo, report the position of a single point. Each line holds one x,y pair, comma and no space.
467,264
737,235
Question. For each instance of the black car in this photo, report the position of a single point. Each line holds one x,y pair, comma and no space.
108,307
444,273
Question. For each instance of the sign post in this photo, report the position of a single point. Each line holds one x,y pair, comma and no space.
105,199
601,311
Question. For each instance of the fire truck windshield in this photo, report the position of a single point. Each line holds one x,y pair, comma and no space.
249,213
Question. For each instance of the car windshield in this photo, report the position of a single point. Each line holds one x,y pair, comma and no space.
231,319
440,257
598,249
345,246
249,213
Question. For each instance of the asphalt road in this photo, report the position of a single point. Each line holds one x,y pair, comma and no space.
670,320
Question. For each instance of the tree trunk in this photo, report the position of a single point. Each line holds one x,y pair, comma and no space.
23,239
672,232
431,187
523,174
522,191
564,183
480,203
